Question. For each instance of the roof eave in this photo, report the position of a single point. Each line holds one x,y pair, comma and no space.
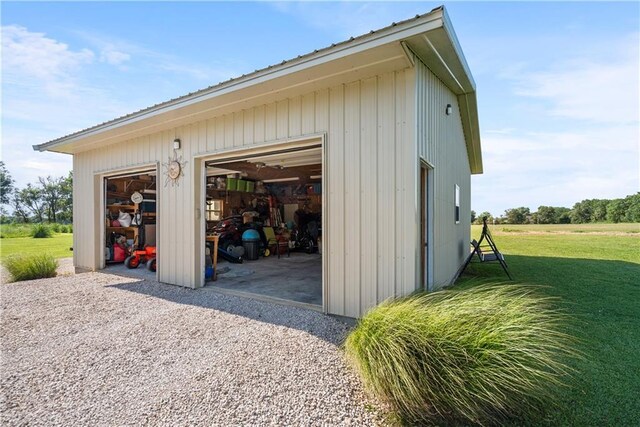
395,32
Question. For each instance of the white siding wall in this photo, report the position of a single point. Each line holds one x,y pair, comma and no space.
441,143
371,182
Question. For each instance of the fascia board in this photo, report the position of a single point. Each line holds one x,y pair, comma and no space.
386,36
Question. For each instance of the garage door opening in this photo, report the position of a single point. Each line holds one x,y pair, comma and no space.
265,212
130,224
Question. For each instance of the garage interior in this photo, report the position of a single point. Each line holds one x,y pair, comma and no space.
265,211
130,224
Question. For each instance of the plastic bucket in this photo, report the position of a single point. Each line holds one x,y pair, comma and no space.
232,184
242,185
250,186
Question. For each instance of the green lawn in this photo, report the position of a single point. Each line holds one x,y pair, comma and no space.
58,245
597,278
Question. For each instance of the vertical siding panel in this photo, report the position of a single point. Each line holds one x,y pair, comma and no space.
248,127
400,205
219,133
184,211
282,119
386,186
352,198
211,135
444,147
202,136
238,129
187,212
295,116
271,119
368,194
228,131
411,176
308,113
322,111
336,208
259,125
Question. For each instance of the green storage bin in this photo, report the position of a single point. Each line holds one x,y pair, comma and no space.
242,185
232,184
250,186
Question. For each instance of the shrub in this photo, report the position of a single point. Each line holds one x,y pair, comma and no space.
40,231
70,228
476,355
64,229
15,230
55,227
29,267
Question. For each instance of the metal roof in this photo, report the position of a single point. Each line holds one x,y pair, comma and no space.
192,95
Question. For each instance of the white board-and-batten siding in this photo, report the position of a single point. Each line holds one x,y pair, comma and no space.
370,182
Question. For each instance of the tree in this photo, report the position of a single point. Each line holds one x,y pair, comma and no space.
30,198
617,210
563,216
517,215
66,199
6,185
484,215
545,215
473,216
633,209
19,212
581,212
599,210
51,194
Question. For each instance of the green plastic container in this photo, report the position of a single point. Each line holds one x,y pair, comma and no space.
250,186
232,184
242,185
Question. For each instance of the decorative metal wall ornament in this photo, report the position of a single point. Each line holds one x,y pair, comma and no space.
174,169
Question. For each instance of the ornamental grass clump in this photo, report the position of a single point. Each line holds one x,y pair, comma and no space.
478,355
41,231
30,267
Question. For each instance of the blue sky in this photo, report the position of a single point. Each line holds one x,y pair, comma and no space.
557,83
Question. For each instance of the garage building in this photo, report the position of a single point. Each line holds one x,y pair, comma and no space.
352,164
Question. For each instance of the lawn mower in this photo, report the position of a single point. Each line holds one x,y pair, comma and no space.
142,256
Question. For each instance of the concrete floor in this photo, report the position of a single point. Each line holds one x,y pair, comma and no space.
297,278
138,273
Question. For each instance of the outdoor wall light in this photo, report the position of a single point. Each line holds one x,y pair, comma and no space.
176,144
448,110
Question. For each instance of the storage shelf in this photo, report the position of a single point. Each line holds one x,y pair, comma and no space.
130,207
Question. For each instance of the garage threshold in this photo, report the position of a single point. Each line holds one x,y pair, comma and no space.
264,298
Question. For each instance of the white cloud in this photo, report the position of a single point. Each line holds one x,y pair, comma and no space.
346,19
557,168
31,55
603,89
114,57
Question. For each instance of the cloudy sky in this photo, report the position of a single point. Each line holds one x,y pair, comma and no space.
557,83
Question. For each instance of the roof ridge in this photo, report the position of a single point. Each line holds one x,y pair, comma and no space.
208,89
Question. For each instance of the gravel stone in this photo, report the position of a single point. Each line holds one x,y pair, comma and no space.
98,349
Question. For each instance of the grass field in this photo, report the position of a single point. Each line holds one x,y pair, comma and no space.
58,245
594,270
600,228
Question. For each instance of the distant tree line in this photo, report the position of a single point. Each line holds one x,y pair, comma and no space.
48,200
586,211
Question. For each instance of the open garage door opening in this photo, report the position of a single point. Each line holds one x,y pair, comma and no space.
264,213
130,224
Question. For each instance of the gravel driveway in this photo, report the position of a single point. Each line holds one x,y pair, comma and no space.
97,349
